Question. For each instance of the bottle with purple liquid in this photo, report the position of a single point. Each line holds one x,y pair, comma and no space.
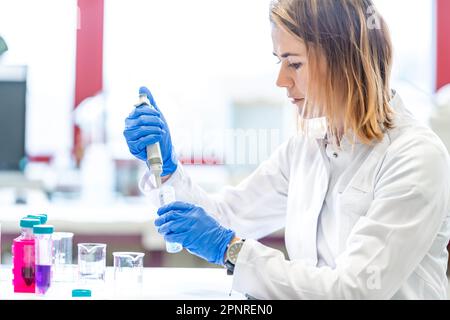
44,256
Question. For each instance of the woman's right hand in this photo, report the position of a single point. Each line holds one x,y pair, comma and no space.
145,126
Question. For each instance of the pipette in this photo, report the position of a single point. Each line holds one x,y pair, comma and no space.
154,158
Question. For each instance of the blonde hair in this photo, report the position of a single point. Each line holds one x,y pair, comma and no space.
354,42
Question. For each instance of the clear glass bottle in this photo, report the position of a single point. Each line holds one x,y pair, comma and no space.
23,252
166,196
44,257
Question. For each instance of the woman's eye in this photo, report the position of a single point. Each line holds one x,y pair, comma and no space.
296,66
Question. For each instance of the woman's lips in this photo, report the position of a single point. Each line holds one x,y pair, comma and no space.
297,101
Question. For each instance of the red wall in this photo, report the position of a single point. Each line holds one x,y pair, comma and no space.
443,43
89,58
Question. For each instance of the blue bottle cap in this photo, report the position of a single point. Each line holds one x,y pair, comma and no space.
29,222
43,229
41,218
43,215
81,293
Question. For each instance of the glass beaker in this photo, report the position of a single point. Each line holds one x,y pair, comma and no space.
128,269
62,256
92,261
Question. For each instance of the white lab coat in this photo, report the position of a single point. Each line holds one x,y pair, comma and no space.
391,219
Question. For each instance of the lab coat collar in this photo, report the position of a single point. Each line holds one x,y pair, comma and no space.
370,155
399,111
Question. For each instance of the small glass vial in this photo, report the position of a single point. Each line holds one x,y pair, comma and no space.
44,256
166,196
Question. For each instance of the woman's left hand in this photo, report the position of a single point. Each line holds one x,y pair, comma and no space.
196,230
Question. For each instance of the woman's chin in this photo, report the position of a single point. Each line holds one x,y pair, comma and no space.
300,108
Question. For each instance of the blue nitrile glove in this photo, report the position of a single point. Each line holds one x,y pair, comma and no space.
197,231
145,126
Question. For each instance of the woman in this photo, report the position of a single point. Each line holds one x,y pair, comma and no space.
364,203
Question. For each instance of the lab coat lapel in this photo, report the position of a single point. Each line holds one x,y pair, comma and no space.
313,182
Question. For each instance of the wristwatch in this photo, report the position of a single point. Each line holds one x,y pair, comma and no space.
232,255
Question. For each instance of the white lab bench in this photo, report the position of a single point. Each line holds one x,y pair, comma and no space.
158,284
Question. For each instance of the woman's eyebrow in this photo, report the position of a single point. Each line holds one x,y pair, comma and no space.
287,54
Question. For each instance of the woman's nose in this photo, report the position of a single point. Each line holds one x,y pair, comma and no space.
284,81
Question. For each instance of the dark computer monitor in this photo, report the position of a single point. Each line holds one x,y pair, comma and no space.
13,88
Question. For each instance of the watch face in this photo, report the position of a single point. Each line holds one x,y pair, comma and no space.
233,251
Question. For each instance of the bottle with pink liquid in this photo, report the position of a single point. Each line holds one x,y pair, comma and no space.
23,257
